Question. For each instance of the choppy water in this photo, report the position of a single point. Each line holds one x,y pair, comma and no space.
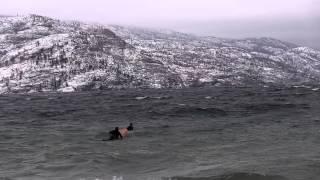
189,134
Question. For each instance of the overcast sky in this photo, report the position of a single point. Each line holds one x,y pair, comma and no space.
292,20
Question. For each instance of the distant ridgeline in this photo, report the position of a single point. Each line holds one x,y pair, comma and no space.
42,54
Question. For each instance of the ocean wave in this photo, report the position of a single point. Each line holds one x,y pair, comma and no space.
273,106
233,176
185,110
151,97
198,111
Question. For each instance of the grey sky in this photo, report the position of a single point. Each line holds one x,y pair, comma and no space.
285,19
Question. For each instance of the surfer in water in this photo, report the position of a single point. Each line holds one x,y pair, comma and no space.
120,133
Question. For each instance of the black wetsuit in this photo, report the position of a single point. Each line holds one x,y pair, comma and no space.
115,134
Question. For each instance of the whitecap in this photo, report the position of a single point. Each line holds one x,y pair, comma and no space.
141,97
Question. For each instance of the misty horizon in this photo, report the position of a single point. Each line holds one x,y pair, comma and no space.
295,21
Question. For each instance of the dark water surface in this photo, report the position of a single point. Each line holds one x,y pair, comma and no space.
186,134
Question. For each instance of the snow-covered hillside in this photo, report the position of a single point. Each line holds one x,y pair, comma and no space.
42,54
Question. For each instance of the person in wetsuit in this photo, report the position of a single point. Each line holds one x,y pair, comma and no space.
115,134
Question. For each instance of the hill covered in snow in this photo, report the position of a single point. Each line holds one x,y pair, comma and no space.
43,54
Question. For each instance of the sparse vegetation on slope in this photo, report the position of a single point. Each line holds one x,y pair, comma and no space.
42,54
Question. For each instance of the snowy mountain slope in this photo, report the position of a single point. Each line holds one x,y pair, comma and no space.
210,59
42,54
